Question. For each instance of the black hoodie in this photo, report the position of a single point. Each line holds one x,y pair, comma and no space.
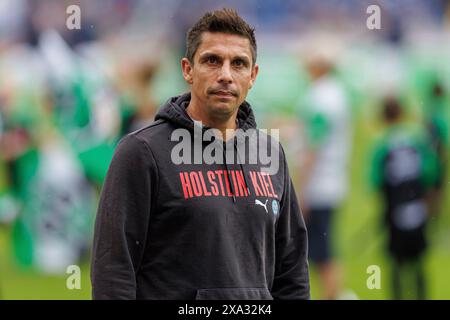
196,231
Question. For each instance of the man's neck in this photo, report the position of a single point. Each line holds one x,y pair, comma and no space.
222,124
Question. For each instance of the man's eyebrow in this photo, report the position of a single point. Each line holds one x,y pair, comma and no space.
244,58
208,54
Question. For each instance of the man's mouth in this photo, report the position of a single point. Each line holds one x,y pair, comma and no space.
224,93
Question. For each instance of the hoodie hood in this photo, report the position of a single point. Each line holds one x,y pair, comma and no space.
174,110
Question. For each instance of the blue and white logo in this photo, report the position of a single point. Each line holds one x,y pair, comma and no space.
275,207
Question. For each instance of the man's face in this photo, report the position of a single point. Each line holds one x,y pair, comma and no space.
222,73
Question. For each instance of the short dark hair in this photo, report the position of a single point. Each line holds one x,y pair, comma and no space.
225,21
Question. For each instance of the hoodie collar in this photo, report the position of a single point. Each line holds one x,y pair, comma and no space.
174,111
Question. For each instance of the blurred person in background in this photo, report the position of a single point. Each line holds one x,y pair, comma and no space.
49,119
55,202
137,102
403,169
323,171
436,122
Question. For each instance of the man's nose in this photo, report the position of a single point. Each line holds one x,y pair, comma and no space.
225,73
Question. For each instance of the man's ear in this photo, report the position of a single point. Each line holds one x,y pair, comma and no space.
253,76
186,68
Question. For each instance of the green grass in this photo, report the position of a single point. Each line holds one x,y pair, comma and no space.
357,238
17,283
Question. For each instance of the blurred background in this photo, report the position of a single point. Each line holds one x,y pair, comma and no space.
335,88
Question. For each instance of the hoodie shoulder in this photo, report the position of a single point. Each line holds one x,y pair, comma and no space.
148,128
158,131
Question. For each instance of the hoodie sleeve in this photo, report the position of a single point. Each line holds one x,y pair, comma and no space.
291,281
122,220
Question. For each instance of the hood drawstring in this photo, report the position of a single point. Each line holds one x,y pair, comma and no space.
228,175
242,167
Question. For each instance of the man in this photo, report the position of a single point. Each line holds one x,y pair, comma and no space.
403,170
436,122
327,125
167,229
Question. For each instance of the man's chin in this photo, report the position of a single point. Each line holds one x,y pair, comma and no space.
224,104
222,108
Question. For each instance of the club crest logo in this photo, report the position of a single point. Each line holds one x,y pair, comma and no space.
275,207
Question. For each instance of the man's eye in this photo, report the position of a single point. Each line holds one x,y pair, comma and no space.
212,60
239,63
